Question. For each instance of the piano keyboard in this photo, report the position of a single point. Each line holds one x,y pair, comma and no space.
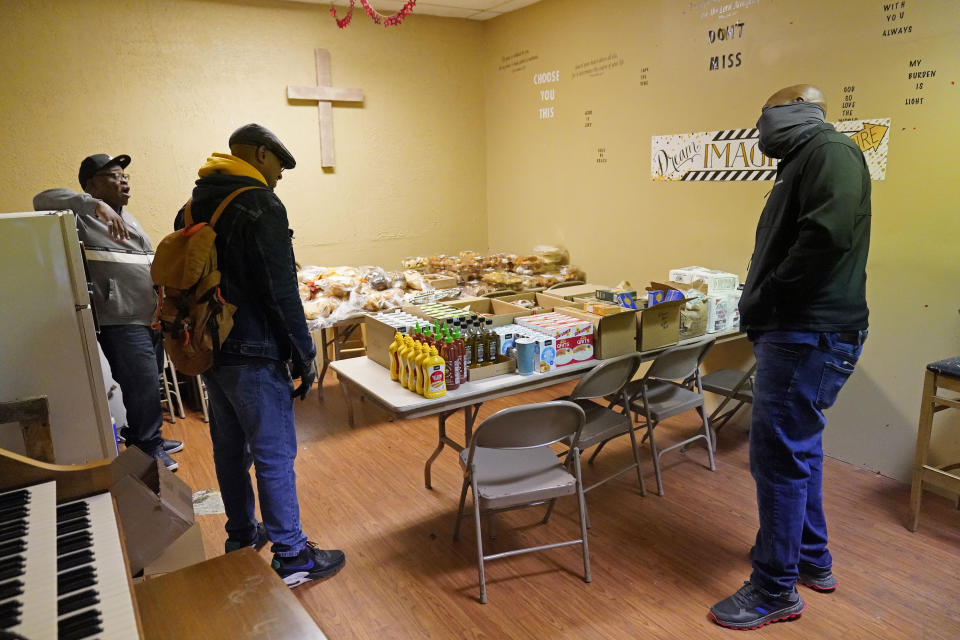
28,561
74,577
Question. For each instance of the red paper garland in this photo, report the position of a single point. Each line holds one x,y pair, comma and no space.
379,18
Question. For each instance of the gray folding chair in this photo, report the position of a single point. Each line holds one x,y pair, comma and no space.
510,465
733,385
608,380
661,394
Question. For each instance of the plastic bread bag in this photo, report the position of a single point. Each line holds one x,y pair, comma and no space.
338,286
415,281
418,263
569,272
376,277
552,256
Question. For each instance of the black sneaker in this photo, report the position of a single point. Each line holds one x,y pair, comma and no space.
256,544
311,564
168,462
752,607
172,446
817,578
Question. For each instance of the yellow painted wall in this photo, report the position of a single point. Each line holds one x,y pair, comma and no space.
545,184
167,81
449,152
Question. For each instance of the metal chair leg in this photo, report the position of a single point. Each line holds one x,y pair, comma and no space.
584,518
476,522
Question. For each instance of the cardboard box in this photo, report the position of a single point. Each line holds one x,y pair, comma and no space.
502,366
573,335
616,295
495,309
659,326
716,281
576,291
602,308
614,334
440,281
155,509
379,338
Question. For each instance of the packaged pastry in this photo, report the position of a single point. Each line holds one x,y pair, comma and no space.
376,277
320,307
418,263
415,280
552,256
339,286
569,272
531,265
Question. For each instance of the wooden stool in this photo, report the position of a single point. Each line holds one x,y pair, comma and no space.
944,374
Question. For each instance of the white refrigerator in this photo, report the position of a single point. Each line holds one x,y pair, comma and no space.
48,343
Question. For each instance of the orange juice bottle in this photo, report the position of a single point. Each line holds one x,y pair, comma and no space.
435,379
403,361
394,357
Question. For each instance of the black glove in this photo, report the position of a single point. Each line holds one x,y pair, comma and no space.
307,372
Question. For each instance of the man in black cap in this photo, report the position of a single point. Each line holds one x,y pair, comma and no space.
250,386
119,254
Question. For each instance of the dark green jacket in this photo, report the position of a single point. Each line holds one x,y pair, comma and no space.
808,270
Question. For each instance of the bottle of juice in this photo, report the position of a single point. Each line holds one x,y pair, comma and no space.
403,360
433,367
493,343
451,370
394,362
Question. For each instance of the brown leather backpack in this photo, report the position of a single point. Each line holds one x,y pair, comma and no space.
194,317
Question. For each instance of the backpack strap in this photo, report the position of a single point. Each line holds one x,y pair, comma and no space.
188,217
226,201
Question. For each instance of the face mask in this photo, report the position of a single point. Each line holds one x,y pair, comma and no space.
783,128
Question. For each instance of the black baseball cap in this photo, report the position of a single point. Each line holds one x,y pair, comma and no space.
98,162
257,135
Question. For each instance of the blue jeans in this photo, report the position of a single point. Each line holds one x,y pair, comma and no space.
135,354
251,422
794,384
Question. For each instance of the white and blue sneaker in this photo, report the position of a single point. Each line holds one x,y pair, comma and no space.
310,564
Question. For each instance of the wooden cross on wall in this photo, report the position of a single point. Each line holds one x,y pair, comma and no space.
325,94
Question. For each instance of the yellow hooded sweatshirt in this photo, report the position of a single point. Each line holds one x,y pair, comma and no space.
230,165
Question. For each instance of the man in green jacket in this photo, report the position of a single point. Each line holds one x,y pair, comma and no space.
804,308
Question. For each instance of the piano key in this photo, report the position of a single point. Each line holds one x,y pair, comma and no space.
74,542
80,625
16,529
74,560
20,496
76,579
115,610
12,513
71,510
70,526
12,567
79,600
10,589
10,614
35,567
12,548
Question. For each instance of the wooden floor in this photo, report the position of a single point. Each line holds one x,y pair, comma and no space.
658,563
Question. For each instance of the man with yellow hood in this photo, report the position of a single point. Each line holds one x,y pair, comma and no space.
250,385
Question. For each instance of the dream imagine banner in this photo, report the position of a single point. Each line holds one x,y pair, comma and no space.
732,154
